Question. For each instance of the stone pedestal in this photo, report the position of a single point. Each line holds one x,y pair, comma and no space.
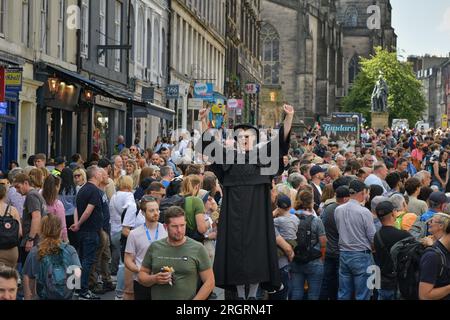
380,120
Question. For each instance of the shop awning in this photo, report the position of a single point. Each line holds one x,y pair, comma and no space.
154,110
117,93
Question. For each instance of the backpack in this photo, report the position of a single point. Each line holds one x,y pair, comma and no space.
305,251
9,230
166,203
51,281
406,255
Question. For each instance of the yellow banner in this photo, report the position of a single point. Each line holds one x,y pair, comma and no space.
13,78
444,124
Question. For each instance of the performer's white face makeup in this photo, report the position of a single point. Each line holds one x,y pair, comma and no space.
246,139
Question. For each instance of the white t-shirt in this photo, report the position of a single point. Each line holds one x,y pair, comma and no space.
138,243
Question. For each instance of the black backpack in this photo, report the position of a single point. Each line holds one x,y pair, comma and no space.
305,251
166,203
9,230
406,255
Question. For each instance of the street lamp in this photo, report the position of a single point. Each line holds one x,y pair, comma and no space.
53,85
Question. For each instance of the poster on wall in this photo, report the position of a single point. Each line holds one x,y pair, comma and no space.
343,130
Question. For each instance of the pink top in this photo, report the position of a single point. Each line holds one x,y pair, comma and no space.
58,210
417,154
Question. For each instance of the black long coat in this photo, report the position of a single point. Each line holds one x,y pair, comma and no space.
246,250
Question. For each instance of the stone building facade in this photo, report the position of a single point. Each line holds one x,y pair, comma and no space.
302,58
366,24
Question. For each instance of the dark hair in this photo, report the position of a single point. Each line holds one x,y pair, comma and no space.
104,163
11,163
40,156
375,191
209,184
400,161
173,212
30,160
411,185
193,169
425,193
8,273
144,201
393,179
146,173
441,155
174,187
22,178
163,149
76,157
2,191
49,189
154,186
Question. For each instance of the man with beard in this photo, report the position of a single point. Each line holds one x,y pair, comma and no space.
172,266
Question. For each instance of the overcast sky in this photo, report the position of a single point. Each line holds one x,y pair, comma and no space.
422,26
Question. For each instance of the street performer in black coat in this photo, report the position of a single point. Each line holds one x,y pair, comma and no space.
246,250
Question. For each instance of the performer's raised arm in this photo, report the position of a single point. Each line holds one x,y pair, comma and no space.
288,120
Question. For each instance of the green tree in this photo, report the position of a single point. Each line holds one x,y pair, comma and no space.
406,100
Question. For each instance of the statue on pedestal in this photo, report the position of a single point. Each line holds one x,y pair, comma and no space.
380,95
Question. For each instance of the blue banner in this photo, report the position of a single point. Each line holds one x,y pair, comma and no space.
204,91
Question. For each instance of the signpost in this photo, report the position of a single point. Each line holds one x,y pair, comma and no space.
173,92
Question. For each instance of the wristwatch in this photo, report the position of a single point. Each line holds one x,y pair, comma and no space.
206,236
30,239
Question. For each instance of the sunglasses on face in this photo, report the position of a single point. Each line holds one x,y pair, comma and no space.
77,175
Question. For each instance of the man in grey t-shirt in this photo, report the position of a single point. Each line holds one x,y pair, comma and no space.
34,209
356,232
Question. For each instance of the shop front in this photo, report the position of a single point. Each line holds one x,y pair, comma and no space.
8,130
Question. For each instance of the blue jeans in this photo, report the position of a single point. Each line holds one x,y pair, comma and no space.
353,275
330,283
89,244
312,272
387,294
283,294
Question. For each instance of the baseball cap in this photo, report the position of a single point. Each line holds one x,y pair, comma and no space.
315,170
357,186
342,192
439,197
407,155
384,208
283,201
59,160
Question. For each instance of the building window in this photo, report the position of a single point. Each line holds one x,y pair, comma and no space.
353,69
149,44
271,54
25,22
141,39
85,29
2,17
156,45
351,17
44,18
118,35
132,34
101,59
60,43
164,54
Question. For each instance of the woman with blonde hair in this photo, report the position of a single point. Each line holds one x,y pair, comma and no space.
124,218
50,245
79,178
194,208
133,171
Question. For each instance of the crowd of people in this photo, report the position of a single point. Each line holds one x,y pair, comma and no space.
152,223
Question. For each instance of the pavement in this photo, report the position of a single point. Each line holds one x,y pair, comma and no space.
112,294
